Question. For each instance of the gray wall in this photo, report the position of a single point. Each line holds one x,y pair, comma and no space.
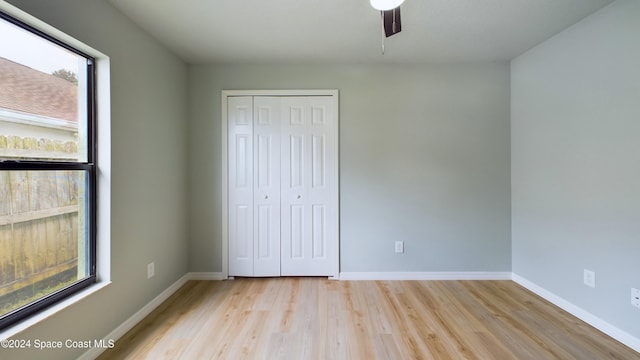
149,171
424,158
576,163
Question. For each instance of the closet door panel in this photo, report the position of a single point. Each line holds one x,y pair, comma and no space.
318,232
240,167
267,186
307,199
323,184
294,175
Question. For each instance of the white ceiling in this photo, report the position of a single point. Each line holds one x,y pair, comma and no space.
320,31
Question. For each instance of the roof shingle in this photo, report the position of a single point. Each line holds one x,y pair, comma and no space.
31,91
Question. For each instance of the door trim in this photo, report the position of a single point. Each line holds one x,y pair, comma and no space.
225,166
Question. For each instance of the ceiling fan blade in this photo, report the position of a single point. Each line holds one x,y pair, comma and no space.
391,21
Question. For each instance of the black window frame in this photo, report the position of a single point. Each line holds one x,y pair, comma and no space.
89,167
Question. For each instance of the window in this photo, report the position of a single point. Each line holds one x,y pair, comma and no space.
47,170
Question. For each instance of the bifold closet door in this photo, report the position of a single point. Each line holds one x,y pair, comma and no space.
266,166
254,186
282,186
240,168
309,186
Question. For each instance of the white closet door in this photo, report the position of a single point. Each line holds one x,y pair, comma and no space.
266,131
240,150
309,186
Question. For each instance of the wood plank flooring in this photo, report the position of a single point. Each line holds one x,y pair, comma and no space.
315,318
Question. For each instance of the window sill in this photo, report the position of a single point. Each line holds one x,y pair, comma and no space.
52,310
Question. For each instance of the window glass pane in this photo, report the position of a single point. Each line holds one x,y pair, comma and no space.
43,98
43,234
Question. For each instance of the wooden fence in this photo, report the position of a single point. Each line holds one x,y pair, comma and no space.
39,226
18,147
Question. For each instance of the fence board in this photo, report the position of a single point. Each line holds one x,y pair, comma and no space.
22,232
19,184
68,188
38,226
5,193
39,246
37,215
7,263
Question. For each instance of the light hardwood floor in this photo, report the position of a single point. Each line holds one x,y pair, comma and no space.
314,318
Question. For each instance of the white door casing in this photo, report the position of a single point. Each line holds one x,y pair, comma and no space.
280,193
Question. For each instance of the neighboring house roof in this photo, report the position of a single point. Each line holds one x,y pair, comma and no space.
26,90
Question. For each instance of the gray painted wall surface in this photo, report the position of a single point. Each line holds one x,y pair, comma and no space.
424,158
149,171
576,163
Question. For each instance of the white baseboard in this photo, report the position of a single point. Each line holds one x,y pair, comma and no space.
204,276
469,275
118,332
616,333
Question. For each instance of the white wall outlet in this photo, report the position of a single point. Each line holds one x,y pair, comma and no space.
589,278
151,270
635,297
399,247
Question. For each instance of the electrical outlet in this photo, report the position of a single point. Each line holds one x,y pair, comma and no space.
399,247
589,278
635,297
151,270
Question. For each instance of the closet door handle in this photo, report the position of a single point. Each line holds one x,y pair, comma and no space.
299,197
266,197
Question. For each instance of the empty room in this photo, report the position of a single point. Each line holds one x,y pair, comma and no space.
306,179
